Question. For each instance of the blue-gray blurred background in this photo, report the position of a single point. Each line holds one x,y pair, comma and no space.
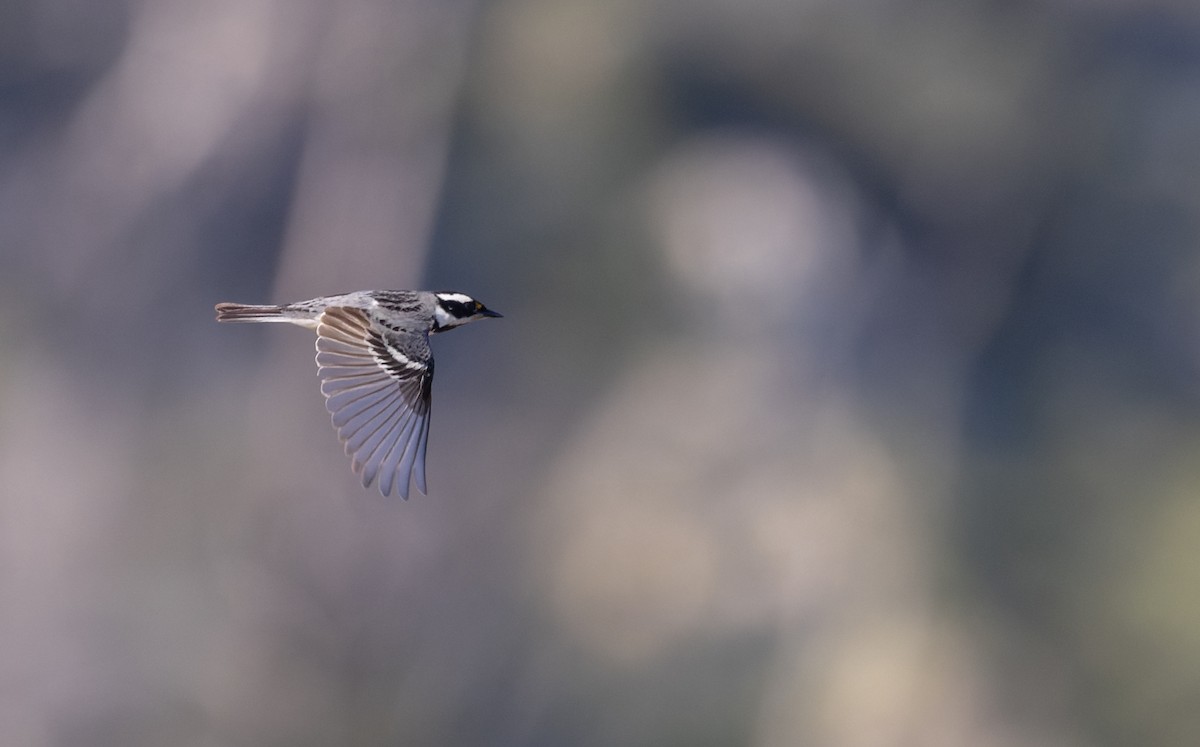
847,392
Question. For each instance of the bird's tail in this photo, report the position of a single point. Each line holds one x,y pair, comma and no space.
238,312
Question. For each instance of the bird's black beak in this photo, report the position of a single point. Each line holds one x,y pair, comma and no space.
489,312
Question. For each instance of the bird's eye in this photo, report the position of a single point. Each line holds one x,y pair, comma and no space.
478,307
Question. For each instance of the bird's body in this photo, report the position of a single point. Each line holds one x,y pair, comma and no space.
376,370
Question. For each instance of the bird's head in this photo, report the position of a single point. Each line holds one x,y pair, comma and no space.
456,309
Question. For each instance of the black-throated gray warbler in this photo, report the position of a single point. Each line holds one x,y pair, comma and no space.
376,370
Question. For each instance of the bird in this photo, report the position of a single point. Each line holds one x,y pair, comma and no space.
376,370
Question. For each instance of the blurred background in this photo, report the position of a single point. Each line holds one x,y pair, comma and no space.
846,392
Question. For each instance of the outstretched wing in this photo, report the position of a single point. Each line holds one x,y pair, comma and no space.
376,384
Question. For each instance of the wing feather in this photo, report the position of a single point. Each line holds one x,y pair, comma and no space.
359,430
422,443
377,387
391,460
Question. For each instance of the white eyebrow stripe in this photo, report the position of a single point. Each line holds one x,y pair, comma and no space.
460,297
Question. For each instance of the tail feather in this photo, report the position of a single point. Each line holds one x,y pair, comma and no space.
237,312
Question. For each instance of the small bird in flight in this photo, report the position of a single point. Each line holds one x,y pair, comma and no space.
376,370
